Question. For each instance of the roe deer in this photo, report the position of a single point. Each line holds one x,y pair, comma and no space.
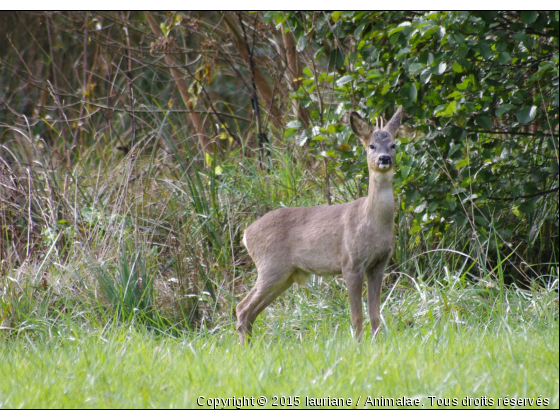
354,239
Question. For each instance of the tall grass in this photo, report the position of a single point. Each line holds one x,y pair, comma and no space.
155,234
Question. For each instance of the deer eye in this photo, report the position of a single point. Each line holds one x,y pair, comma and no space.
392,146
372,147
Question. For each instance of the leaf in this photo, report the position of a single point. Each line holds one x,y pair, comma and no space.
412,93
405,170
503,109
504,57
358,34
344,147
481,221
489,15
420,207
374,74
484,49
432,30
529,16
464,84
336,58
409,91
502,45
402,52
289,132
530,187
415,228
398,28
320,137
441,68
527,206
164,28
462,163
301,43
459,38
317,54
415,67
527,114
208,158
455,95
280,19
336,15
457,68
344,80
425,75
448,111
484,122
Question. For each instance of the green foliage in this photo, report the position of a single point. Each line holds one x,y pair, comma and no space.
481,94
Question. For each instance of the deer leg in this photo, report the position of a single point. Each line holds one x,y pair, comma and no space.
375,279
245,300
243,327
354,284
267,300
267,288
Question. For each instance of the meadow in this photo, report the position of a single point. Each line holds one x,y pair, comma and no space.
303,356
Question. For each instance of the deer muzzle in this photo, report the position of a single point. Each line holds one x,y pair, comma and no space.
384,162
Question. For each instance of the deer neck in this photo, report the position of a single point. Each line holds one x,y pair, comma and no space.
380,201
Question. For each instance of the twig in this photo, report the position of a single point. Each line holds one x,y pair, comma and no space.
525,196
254,98
511,133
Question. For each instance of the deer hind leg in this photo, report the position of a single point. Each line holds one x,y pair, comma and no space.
269,285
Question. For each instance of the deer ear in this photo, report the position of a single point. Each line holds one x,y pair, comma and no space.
360,127
393,125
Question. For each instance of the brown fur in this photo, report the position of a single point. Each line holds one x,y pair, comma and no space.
354,239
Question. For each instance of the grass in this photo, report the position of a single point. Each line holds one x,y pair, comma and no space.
130,368
424,350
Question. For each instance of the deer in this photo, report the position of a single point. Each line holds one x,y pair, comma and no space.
355,239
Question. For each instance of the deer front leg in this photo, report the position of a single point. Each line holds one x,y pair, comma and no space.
354,284
375,278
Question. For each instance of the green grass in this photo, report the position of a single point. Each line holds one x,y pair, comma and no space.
443,342
128,368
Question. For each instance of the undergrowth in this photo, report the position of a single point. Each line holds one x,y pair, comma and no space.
154,238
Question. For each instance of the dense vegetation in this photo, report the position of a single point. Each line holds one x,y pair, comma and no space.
136,147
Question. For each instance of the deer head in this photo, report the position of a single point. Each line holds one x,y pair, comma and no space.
378,142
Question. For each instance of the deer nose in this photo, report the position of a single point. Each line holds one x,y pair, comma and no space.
384,160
